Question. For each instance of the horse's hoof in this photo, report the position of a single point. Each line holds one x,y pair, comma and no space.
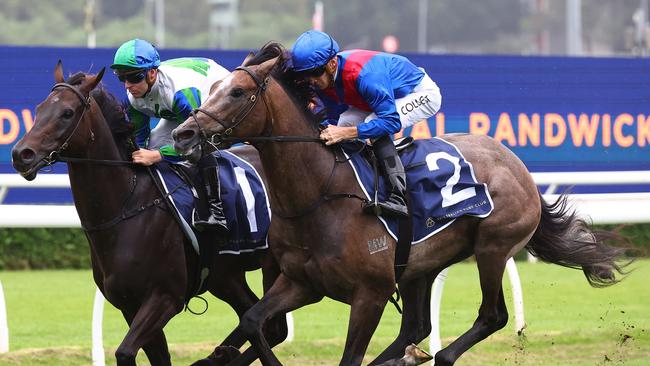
222,355
414,355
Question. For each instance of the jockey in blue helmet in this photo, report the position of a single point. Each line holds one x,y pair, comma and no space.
169,90
367,95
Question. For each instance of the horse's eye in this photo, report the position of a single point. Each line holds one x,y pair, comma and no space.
68,113
237,92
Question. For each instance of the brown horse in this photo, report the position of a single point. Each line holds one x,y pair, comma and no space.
325,246
141,260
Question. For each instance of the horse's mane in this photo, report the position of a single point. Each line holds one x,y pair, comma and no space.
113,111
298,88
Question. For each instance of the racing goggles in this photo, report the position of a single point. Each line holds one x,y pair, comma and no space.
133,77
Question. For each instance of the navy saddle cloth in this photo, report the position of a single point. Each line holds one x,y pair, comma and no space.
244,197
441,182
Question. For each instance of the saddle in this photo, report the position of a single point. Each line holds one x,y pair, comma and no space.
245,205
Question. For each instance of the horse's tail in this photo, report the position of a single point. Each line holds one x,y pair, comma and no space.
563,238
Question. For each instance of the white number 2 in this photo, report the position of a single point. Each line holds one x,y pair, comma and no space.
450,198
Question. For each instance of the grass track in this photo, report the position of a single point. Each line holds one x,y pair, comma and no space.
569,323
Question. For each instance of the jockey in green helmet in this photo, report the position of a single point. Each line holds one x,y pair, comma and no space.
169,91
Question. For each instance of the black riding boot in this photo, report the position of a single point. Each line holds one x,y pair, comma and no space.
214,219
393,169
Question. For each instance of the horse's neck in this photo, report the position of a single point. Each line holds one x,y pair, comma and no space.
297,171
99,191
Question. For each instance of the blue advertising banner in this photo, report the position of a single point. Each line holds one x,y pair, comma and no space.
556,114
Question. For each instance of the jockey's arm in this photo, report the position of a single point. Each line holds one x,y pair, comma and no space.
140,121
141,131
334,134
375,89
146,157
184,102
380,98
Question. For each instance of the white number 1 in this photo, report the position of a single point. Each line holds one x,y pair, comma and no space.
240,174
450,198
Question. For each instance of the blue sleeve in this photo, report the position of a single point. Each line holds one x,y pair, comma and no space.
376,90
332,109
141,127
185,101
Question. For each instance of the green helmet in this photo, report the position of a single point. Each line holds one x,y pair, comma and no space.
136,54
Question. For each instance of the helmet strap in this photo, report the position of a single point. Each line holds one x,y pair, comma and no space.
150,81
332,74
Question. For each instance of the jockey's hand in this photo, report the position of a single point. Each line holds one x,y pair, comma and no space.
334,134
146,157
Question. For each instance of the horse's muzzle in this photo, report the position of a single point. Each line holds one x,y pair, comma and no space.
25,161
187,142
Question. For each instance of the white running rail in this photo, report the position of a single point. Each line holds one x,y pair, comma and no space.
4,329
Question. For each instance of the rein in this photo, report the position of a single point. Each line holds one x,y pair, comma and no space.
127,214
66,159
325,197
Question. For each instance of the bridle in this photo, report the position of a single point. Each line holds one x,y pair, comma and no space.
55,155
241,115
125,214
217,138
51,158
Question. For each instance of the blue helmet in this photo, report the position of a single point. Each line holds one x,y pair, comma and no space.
313,49
136,54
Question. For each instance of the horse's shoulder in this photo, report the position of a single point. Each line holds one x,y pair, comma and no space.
246,152
250,155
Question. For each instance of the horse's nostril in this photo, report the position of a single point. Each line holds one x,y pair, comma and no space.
27,155
183,134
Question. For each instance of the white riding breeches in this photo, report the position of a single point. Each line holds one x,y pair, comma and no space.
423,102
161,135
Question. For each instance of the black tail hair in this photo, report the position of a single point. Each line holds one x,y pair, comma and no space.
563,238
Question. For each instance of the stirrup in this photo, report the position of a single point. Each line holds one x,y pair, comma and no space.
385,209
210,224
372,208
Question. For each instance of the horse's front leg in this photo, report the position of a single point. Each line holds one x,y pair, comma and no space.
145,330
284,296
367,307
157,350
416,320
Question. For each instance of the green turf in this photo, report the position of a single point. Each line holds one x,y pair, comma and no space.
568,322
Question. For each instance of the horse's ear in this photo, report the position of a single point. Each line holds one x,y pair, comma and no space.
215,86
95,80
58,72
100,75
266,67
248,57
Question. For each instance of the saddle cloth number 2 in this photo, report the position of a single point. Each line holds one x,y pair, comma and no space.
449,198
